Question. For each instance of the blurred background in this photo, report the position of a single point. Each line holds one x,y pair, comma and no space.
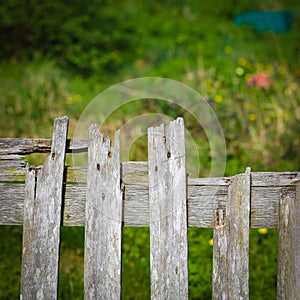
56,56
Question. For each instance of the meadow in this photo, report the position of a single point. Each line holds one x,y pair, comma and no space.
56,57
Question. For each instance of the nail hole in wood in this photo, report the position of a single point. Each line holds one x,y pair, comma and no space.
98,167
168,154
53,156
109,154
156,168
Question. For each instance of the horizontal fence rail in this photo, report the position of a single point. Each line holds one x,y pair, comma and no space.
108,194
203,194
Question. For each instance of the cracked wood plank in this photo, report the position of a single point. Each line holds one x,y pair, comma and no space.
220,257
103,218
42,220
24,146
168,212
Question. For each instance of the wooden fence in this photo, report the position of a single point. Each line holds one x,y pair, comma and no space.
108,195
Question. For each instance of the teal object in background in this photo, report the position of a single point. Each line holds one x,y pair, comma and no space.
277,21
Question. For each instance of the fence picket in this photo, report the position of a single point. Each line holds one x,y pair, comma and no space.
238,212
42,218
102,261
168,217
288,278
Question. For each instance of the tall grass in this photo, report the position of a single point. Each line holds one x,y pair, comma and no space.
32,95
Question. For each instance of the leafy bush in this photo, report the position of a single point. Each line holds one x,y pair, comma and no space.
76,35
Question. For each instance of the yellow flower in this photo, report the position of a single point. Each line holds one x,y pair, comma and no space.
252,117
70,100
239,71
267,120
78,97
248,76
282,70
263,230
269,68
211,242
227,49
208,85
242,62
218,98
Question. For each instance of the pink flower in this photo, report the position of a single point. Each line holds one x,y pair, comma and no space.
261,80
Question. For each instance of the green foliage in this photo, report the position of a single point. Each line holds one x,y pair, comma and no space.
200,263
31,95
10,266
263,262
78,35
135,263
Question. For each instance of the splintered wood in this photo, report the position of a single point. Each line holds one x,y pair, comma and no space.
42,220
168,213
103,225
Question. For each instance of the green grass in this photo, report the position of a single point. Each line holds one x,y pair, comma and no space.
49,73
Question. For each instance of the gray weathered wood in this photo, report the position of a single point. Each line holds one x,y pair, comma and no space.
11,203
201,204
137,173
168,213
12,170
238,212
220,258
42,220
102,259
22,146
288,279
11,156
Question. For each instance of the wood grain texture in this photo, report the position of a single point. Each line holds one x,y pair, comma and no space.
288,278
11,203
238,212
168,213
220,257
24,146
42,220
102,256
201,203
12,170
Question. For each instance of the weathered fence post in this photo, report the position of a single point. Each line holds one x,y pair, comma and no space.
42,219
168,217
288,279
102,256
231,265
238,218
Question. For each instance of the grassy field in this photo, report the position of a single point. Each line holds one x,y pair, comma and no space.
250,80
